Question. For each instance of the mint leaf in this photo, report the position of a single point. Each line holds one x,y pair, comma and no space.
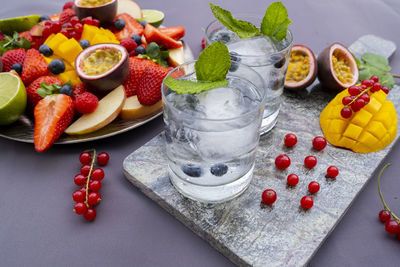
373,64
242,28
192,87
276,21
213,63
47,89
13,42
387,80
377,61
154,53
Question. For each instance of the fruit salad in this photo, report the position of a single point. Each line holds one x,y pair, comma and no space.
78,70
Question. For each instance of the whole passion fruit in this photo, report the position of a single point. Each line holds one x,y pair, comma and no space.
337,68
103,10
103,67
302,68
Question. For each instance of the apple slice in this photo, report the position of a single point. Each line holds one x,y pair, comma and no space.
130,7
108,109
132,109
176,56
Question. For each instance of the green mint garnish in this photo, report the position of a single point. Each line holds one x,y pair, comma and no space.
242,28
373,64
50,89
211,68
14,42
154,53
276,21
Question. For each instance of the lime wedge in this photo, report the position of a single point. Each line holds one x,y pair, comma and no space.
12,98
152,16
19,24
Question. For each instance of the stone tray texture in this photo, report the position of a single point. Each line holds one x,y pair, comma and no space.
248,232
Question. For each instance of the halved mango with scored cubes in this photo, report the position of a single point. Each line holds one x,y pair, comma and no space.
368,130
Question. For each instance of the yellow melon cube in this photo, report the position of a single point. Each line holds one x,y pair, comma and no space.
69,50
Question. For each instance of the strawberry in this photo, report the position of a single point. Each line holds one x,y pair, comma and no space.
152,34
136,68
78,90
66,15
52,115
174,32
34,66
149,87
69,4
13,56
31,90
131,27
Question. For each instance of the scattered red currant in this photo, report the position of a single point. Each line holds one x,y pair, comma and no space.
80,208
282,161
85,158
313,187
268,196
346,112
332,171
97,174
90,215
292,179
306,202
85,169
310,162
102,159
384,216
290,140
319,143
392,227
80,180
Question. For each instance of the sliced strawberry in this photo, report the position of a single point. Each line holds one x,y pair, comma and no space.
152,34
31,90
149,87
13,56
131,27
136,68
34,66
176,32
52,115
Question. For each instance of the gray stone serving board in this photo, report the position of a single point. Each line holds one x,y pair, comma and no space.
245,230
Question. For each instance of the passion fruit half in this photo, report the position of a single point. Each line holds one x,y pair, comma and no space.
302,68
103,67
337,68
103,10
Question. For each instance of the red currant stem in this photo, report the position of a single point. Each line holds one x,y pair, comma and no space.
381,196
88,177
357,97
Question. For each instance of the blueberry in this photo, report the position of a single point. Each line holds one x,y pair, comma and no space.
234,66
66,89
17,67
119,24
44,17
56,66
234,59
191,170
223,37
278,60
84,43
140,50
45,50
143,23
219,169
235,56
137,38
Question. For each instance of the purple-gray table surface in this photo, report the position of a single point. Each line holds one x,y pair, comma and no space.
38,227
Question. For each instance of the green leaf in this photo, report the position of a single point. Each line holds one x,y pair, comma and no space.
47,89
153,50
242,28
387,80
276,21
377,61
14,42
192,87
213,63
357,60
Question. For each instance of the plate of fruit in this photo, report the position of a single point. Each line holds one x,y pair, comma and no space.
92,71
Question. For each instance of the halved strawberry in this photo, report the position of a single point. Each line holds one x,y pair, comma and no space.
52,114
34,66
31,90
152,34
136,68
131,27
176,32
149,87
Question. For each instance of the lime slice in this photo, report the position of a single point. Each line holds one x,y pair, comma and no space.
19,24
152,16
12,98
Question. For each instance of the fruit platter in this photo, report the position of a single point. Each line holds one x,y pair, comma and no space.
89,72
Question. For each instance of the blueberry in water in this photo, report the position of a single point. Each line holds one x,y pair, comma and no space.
191,170
66,89
119,24
56,66
143,23
45,50
234,59
140,50
223,37
44,17
279,61
17,67
219,169
137,38
234,66
84,43
235,56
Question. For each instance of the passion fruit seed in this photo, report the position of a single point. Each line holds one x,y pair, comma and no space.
342,69
298,67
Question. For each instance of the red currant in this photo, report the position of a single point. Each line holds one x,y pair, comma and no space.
95,186
306,202
87,20
80,180
80,208
332,172
78,27
83,189
292,179
385,89
46,31
319,143
347,100
313,187
392,227
376,87
78,196
56,27
85,158
90,215
96,22
69,4
363,87
384,216
374,78
268,196
65,32
354,90
346,112
290,140
97,174
310,162
282,161
94,198
358,104
85,169
75,35
102,159
74,20
365,97
368,83
67,25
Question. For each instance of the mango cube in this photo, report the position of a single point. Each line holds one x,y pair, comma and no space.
89,31
69,50
55,41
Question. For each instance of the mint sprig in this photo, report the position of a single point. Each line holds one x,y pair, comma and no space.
13,42
50,89
211,68
154,53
